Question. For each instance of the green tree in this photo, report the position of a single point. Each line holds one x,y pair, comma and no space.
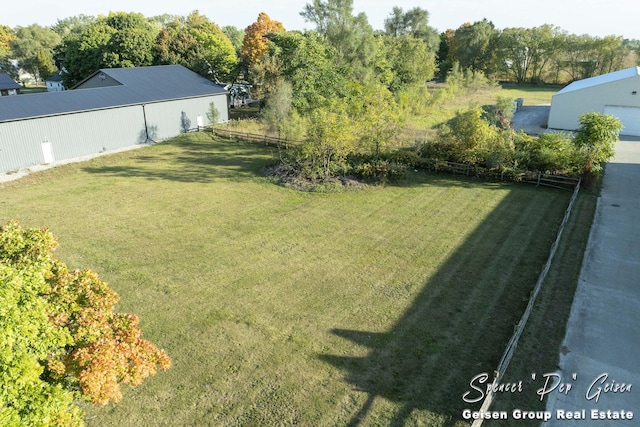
73,24
220,55
376,116
33,46
131,45
176,45
468,137
331,137
310,65
526,53
213,114
83,53
411,61
277,112
595,139
473,45
236,36
60,338
351,36
414,22
117,40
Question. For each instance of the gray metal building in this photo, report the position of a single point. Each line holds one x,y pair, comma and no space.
111,109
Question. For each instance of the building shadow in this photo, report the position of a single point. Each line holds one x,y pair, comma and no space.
460,322
192,160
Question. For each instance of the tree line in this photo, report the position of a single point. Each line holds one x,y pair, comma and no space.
407,49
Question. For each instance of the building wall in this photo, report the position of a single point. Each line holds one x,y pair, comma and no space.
566,108
70,136
53,86
85,133
171,118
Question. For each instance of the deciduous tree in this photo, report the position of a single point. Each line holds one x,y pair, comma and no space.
220,55
255,44
60,336
595,139
33,47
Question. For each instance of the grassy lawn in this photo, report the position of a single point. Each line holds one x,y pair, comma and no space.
546,327
372,307
532,95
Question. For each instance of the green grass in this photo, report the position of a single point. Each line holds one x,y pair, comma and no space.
532,95
371,307
546,327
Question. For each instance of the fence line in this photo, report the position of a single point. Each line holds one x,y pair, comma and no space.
537,178
252,137
513,342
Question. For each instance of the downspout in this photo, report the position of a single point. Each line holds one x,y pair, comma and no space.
146,126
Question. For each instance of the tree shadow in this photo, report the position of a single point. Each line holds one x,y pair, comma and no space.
458,325
192,160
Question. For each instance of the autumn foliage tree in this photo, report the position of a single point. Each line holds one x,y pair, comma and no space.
255,44
60,338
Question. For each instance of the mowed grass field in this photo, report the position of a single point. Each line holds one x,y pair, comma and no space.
371,308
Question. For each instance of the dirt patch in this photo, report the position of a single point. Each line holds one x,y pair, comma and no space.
290,179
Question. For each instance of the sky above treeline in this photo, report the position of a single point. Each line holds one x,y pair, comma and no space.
593,17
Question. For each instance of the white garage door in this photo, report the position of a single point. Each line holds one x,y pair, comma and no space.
629,116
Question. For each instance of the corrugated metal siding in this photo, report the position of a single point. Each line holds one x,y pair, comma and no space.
168,119
91,132
71,136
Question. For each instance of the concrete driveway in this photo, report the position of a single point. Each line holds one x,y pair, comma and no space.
531,119
601,349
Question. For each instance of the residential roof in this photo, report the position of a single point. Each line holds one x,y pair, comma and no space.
602,79
139,85
6,82
55,78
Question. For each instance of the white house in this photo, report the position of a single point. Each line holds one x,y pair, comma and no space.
54,83
8,86
616,93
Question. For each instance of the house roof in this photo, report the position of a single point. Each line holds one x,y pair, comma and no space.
140,85
6,82
602,79
55,78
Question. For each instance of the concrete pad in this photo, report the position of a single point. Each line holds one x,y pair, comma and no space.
601,349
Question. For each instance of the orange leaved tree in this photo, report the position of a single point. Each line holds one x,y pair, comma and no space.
255,44
60,337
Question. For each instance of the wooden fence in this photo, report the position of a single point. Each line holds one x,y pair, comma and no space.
513,342
537,178
260,139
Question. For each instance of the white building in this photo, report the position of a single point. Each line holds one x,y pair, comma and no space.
54,83
616,93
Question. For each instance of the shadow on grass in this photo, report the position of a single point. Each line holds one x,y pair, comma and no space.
192,158
460,322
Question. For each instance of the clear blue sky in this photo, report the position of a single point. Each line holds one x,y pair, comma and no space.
593,17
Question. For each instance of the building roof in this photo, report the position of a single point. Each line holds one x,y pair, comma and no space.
55,78
602,79
137,86
6,82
